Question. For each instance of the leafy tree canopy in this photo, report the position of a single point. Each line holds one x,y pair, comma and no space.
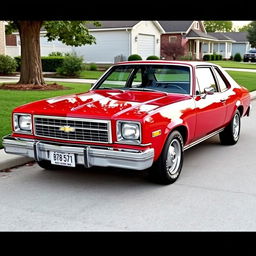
252,34
218,26
74,33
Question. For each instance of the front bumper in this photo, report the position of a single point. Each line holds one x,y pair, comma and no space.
85,155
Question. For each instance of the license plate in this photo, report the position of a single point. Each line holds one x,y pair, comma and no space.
64,159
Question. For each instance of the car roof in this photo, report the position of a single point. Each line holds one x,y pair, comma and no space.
191,63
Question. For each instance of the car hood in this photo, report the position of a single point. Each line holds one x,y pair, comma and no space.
102,104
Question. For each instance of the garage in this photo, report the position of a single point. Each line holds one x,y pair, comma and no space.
146,45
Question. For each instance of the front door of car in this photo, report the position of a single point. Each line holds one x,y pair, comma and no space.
209,101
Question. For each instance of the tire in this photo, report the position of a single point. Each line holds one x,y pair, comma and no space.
48,166
167,168
231,133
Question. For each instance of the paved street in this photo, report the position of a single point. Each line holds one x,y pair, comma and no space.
216,191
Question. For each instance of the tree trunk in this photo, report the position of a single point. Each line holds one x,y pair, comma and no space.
31,65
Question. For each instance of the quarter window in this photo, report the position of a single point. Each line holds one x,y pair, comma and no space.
205,79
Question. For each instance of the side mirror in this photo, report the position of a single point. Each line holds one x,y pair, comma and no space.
208,91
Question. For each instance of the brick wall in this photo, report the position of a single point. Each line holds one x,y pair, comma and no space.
2,37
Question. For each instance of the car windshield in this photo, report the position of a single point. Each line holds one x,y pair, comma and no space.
165,78
252,51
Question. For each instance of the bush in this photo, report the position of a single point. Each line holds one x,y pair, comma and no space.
134,57
72,65
54,54
153,57
49,64
237,57
206,57
93,67
7,64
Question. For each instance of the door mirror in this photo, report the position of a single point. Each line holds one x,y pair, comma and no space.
209,90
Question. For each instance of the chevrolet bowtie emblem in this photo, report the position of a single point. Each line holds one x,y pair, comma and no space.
67,129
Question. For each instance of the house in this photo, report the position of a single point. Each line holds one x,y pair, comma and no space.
115,41
196,41
240,43
2,37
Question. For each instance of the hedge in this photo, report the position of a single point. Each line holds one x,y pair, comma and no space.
49,64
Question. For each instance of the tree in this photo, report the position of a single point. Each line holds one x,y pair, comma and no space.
74,33
252,34
244,28
172,50
218,26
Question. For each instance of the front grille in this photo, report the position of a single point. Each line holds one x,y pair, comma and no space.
88,130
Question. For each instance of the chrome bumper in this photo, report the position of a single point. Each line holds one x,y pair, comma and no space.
85,155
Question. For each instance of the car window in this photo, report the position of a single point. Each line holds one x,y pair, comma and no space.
205,79
117,78
166,78
222,84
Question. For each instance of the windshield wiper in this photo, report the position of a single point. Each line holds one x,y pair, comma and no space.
145,89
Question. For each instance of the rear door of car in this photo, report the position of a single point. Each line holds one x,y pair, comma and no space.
210,108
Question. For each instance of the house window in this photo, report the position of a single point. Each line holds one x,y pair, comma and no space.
196,25
172,39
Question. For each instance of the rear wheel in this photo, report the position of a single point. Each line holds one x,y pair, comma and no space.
231,133
167,168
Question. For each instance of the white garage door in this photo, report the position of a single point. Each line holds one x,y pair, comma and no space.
146,45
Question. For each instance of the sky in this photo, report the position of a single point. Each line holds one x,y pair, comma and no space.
240,23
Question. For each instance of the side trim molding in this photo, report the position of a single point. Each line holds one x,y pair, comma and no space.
203,139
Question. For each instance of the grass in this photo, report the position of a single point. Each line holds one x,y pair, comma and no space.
246,79
10,99
234,64
87,74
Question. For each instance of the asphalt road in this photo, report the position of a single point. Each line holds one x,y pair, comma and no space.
216,191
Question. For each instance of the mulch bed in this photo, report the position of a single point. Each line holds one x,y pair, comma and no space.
33,87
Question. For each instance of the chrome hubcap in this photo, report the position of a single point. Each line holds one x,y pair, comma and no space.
173,158
236,126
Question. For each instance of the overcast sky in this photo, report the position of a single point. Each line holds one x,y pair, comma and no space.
240,23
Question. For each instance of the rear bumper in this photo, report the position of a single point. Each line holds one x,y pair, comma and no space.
85,155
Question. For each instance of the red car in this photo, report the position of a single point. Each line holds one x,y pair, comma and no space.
138,115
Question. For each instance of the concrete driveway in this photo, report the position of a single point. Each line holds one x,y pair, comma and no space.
216,191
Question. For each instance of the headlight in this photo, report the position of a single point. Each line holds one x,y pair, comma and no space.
22,123
128,132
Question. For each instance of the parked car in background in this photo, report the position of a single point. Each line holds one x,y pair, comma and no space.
139,115
250,56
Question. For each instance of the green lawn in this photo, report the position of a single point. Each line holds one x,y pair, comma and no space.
87,74
234,64
10,99
246,79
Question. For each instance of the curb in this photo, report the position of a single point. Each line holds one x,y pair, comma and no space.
9,161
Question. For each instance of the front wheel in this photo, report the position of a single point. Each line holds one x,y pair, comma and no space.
231,133
167,168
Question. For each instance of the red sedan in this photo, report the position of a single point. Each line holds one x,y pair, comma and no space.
138,115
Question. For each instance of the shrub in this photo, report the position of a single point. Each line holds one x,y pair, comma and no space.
49,64
72,65
7,64
206,57
153,57
237,57
93,67
134,57
54,54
